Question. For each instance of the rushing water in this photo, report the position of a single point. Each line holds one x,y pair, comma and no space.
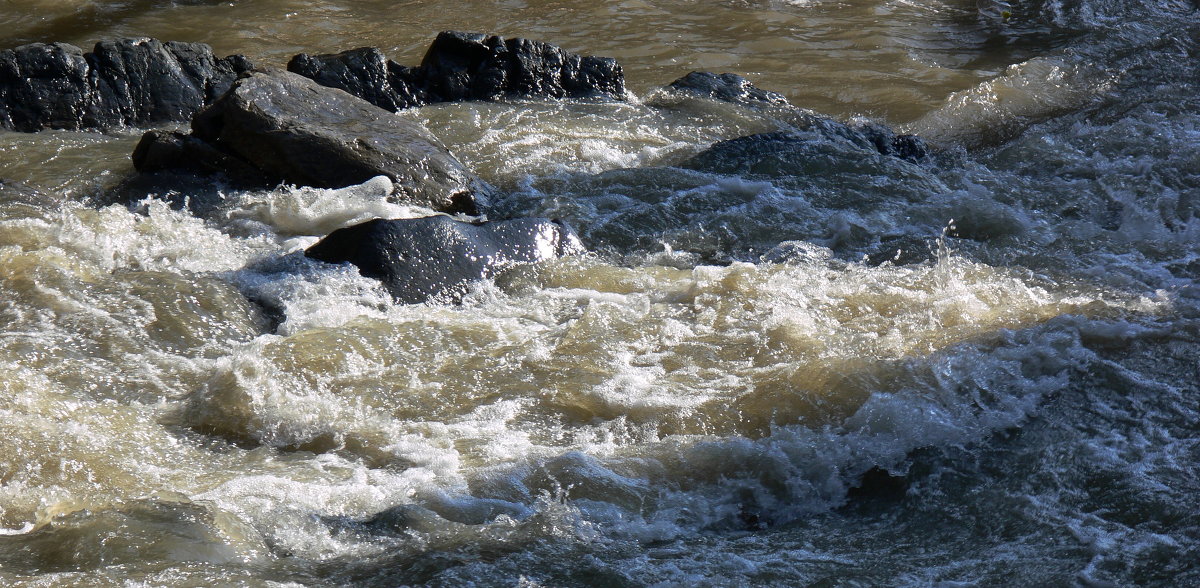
732,390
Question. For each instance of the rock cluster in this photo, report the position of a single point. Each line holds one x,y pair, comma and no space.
126,82
328,122
466,66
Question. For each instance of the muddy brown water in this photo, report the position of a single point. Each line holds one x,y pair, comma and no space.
724,393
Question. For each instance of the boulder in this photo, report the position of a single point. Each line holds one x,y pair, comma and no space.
466,66
124,82
436,258
287,128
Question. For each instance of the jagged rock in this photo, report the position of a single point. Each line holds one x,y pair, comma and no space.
727,87
887,142
436,257
124,82
466,66
287,128
365,73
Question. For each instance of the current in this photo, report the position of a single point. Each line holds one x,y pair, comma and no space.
811,368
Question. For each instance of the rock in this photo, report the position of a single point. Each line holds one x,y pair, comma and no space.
365,73
125,82
436,257
887,142
12,192
902,250
735,89
173,150
466,66
288,128
830,148
727,87
879,484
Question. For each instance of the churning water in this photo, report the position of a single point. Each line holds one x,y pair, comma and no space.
814,366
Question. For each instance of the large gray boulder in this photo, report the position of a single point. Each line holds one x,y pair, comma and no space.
287,128
123,82
436,258
466,66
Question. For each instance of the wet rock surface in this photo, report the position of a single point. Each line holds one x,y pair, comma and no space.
788,153
736,89
13,192
436,258
123,82
466,66
283,127
826,148
727,87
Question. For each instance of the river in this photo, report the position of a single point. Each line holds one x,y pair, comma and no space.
824,369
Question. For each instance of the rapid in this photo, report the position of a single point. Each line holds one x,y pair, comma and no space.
803,367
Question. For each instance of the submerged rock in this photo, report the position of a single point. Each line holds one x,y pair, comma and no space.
466,66
283,127
13,192
123,82
727,87
436,257
735,89
823,150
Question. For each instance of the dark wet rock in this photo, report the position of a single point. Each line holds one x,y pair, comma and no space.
436,257
878,483
123,82
902,250
774,154
287,128
727,87
365,73
12,192
826,148
466,66
887,142
173,150
735,89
